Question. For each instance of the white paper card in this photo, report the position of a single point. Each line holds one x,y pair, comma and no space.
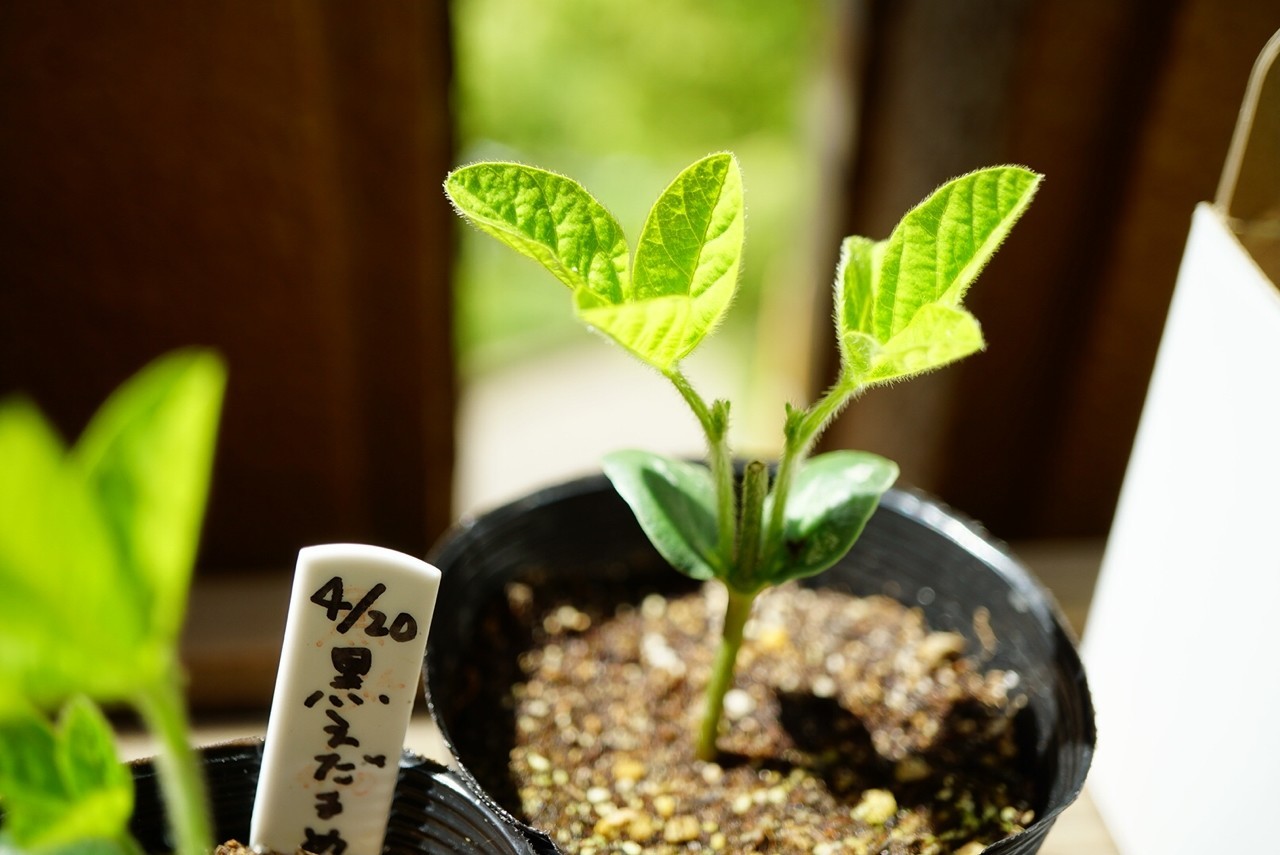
353,646
1180,643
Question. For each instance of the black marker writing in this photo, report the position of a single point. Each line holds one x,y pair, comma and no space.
330,596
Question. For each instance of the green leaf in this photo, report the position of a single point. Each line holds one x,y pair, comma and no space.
855,301
686,267
936,336
674,502
549,218
148,456
941,245
899,300
69,618
833,497
63,786
96,545
855,281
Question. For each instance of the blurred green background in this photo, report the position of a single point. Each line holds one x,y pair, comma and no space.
621,96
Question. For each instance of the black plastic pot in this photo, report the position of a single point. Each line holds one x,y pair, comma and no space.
433,811
913,550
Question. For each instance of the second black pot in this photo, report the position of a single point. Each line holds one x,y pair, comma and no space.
433,810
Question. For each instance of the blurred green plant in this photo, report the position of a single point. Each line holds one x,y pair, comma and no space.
898,314
97,546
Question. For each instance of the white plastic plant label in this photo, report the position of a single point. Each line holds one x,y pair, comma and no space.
353,649
1181,620
1179,641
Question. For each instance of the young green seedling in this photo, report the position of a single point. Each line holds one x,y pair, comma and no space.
97,545
898,313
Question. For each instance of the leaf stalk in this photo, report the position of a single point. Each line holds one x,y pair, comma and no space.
803,429
715,425
181,783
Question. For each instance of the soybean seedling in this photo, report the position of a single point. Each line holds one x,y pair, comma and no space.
898,313
97,544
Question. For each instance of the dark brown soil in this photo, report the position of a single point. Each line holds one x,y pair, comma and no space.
852,728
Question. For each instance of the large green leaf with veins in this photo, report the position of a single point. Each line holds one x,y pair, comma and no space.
686,264
549,218
898,301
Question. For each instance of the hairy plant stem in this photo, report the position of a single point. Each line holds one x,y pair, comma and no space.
744,544
715,425
735,618
178,767
742,588
803,429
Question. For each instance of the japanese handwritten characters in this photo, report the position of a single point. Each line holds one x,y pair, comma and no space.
353,647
